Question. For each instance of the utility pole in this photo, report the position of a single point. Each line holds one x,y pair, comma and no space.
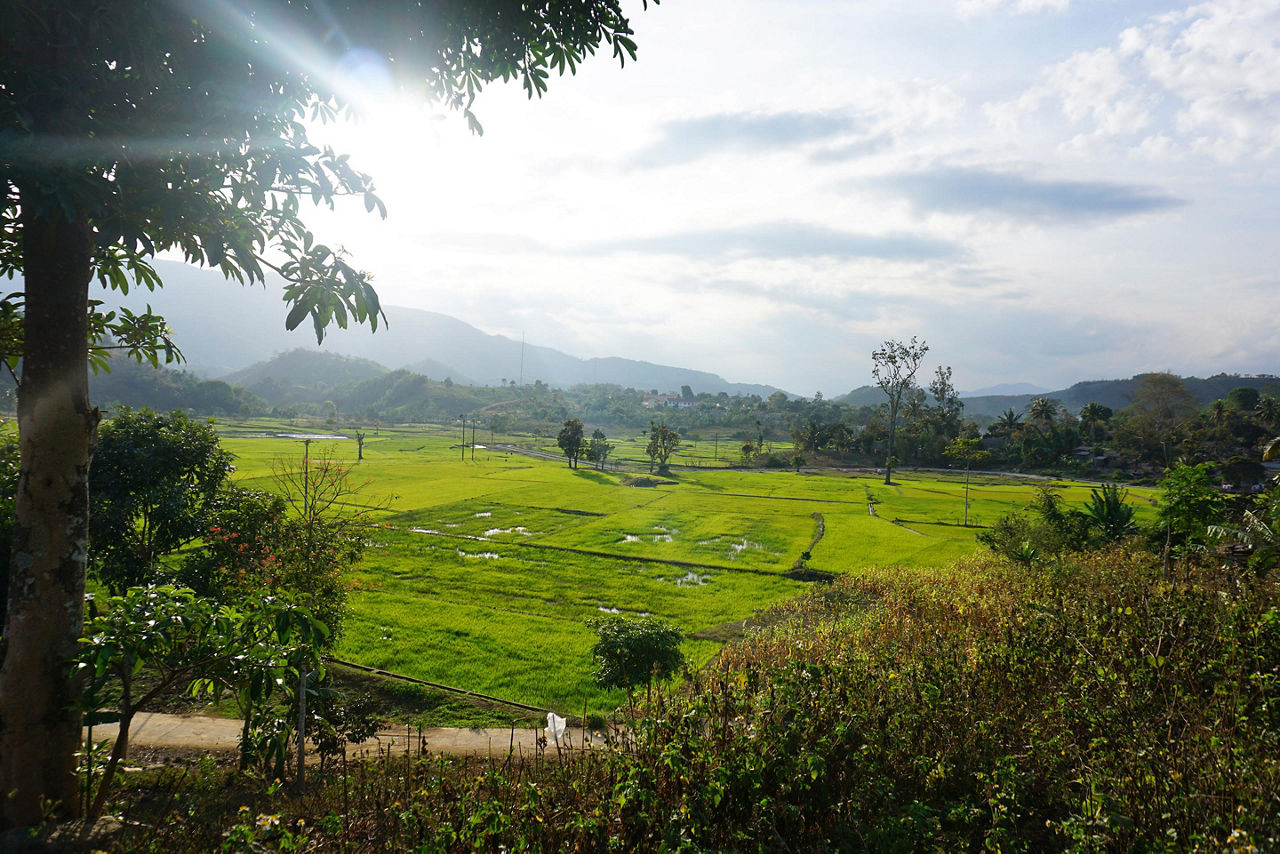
463,419
473,440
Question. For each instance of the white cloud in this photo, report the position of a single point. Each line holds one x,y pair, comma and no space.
1221,60
840,182
1205,80
1094,89
899,105
973,8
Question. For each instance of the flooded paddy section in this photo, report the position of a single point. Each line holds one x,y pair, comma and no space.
733,548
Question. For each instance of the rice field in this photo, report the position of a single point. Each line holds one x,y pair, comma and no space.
485,567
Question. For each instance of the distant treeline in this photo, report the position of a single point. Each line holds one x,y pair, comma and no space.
1134,427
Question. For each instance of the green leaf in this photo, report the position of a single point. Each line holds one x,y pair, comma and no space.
296,314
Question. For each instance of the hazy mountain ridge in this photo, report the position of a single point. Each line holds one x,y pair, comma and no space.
224,328
437,370
305,376
130,383
303,367
1005,389
1116,394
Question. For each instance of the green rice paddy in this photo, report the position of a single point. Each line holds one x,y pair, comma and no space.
484,570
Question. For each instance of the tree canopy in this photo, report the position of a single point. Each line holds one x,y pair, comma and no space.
630,652
154,477
1189,503
159,129
894,367
571,440
1162,406
599,448
663,442
130,129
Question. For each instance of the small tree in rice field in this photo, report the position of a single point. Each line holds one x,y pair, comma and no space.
663,442
629,653
571,441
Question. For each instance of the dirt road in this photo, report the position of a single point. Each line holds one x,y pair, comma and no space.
202,732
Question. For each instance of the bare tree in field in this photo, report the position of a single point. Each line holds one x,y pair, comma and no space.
895,366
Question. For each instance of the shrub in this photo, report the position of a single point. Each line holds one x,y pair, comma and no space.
631,652
977,707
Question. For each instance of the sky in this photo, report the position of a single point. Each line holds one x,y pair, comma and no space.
1044,191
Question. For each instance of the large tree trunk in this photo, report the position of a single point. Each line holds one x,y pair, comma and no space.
39,726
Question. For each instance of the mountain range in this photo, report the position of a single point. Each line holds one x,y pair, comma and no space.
237,333
1116,394
223,328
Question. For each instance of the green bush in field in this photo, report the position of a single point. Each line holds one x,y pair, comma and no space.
1051,528
252,652
1110,516
629,653
252,545
1189,503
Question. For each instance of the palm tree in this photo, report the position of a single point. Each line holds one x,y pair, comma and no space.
1091,415
1042,411
1006,424
1109,514
1257,535
1268,410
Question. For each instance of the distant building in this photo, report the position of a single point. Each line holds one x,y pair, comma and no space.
668,401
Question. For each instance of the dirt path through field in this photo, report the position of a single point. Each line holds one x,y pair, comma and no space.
203,732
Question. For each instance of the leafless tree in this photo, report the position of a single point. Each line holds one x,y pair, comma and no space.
895,366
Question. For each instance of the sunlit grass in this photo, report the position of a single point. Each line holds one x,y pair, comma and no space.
484,570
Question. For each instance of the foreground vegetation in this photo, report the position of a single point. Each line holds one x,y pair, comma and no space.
1092,704
859,674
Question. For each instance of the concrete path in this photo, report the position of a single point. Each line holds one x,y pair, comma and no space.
203,732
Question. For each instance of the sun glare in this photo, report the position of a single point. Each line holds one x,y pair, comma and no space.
365,80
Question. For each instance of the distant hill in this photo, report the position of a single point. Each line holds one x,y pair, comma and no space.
1005,388
1116,394
440,371
407,396
305,376
304,367
129,383
867,395
223,328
